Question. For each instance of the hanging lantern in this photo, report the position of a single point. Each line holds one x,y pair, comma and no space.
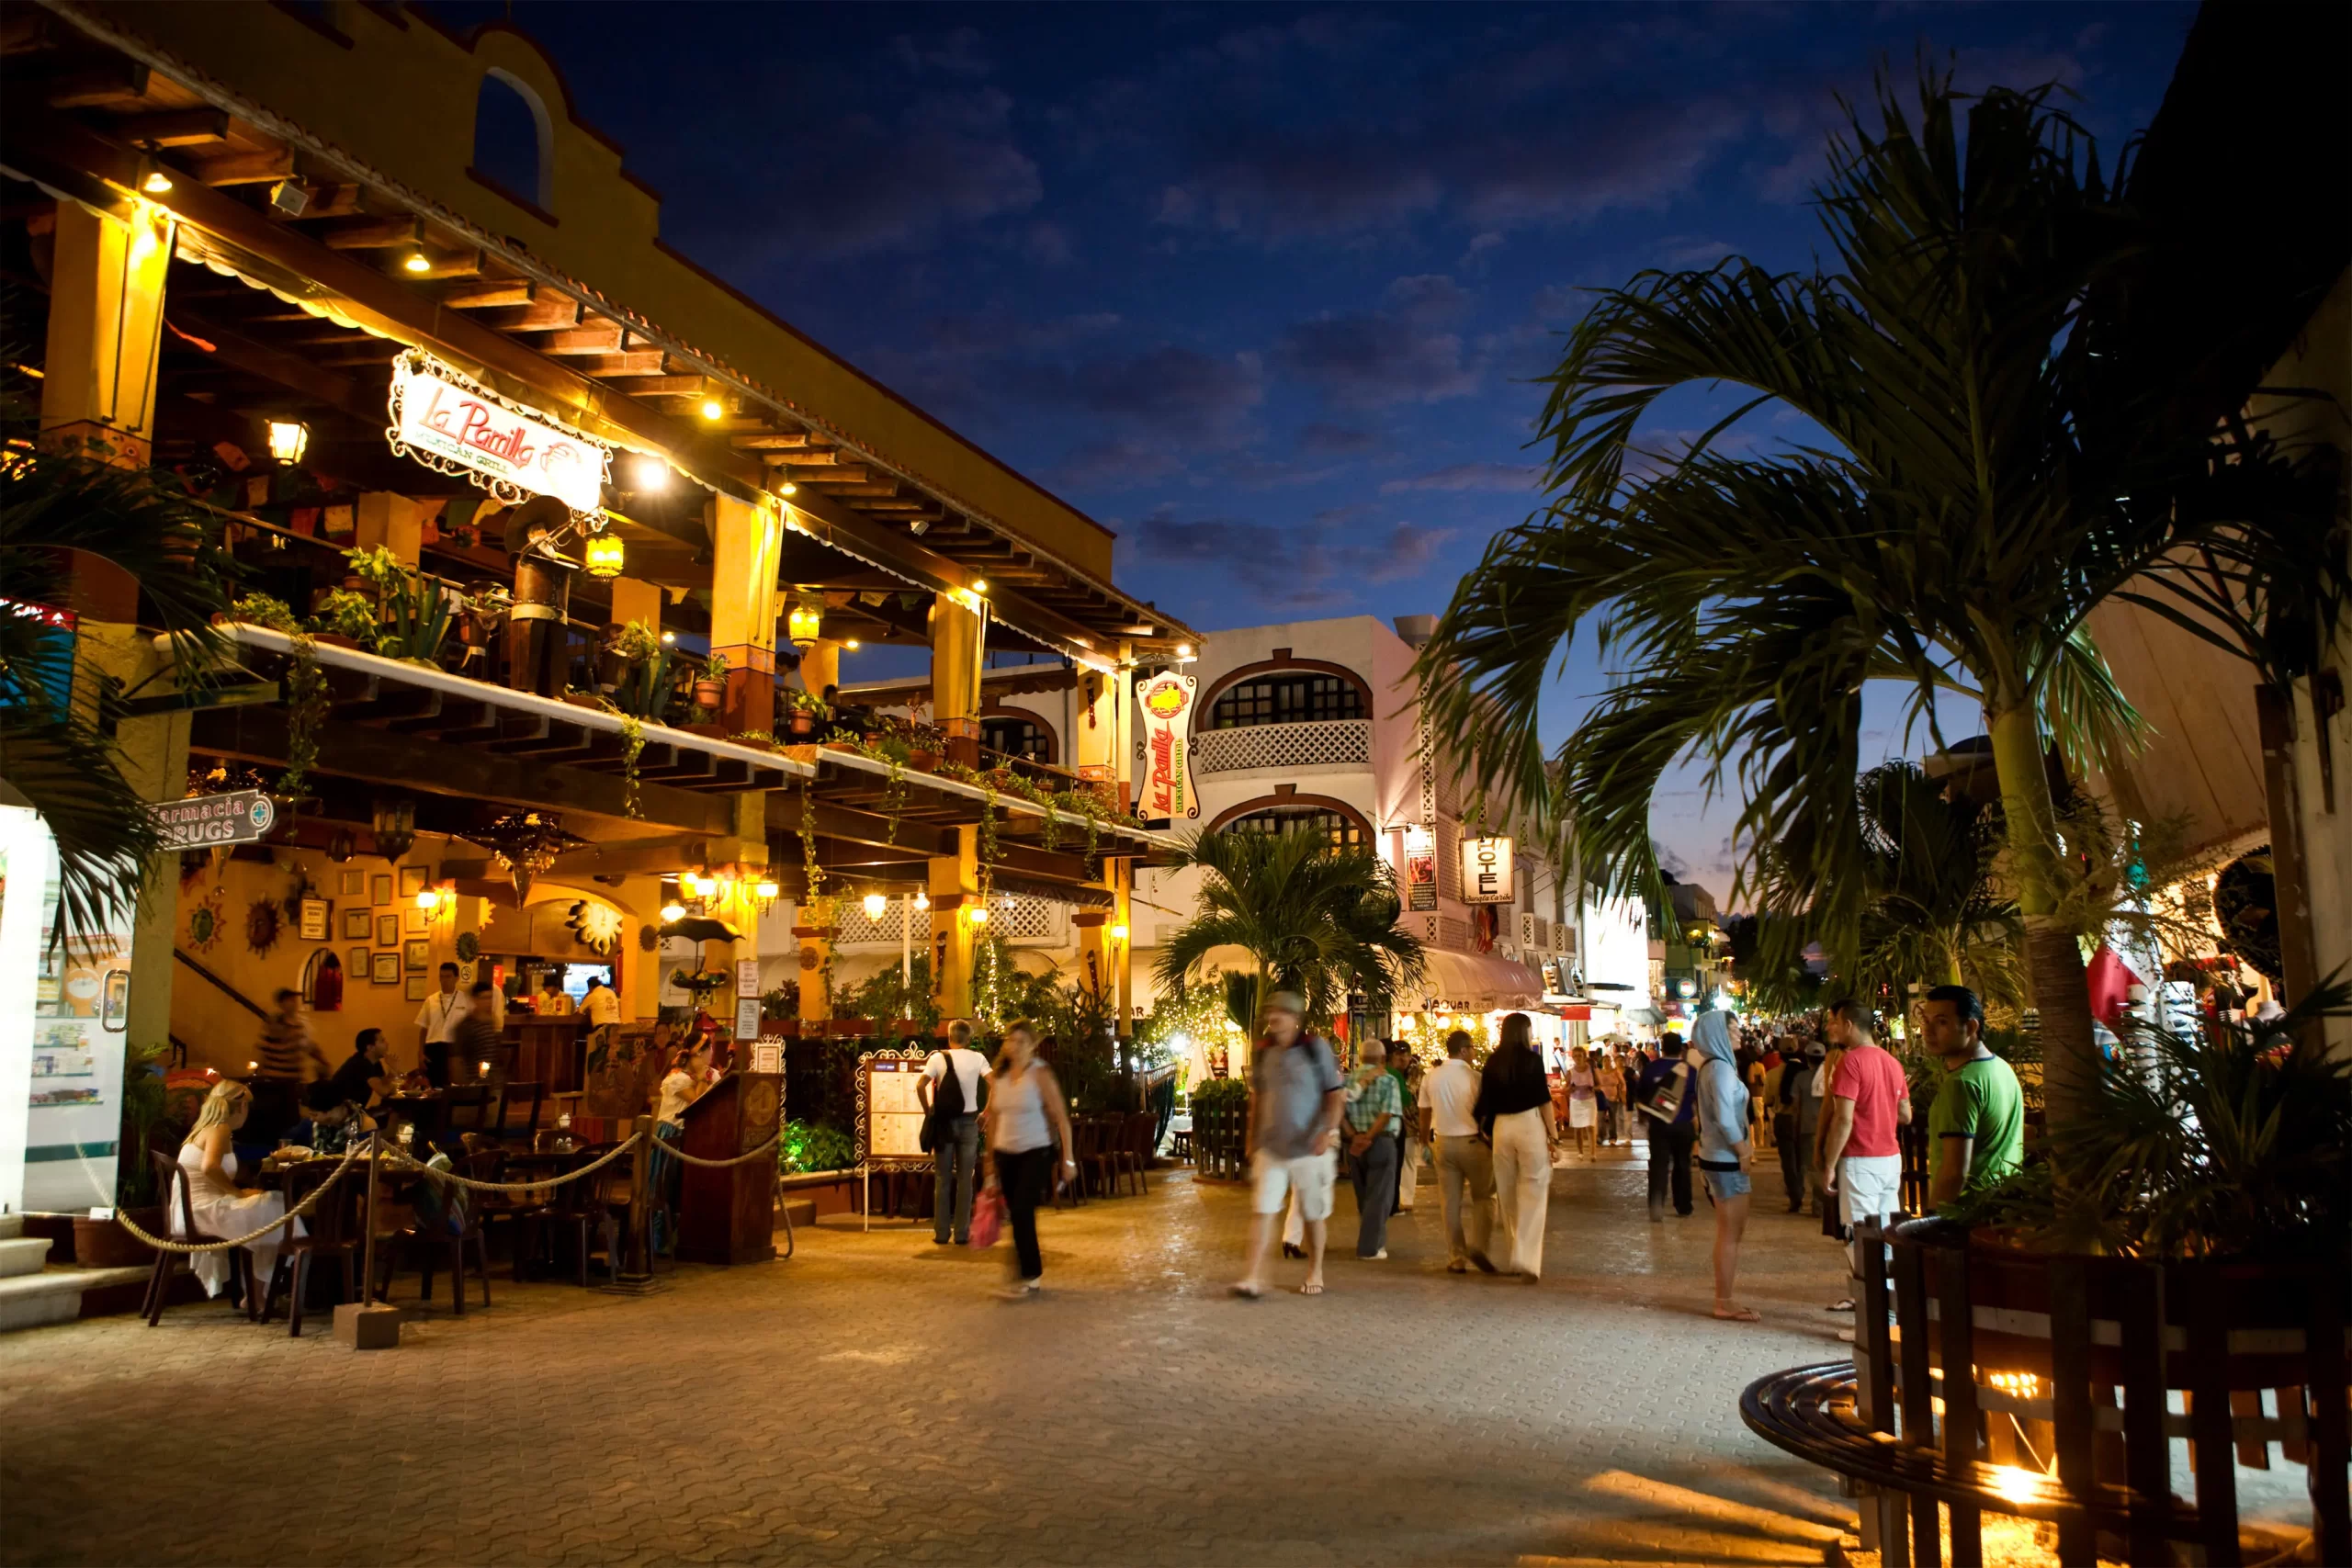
804,623
289,439
605,555
876,906
525,843
395,825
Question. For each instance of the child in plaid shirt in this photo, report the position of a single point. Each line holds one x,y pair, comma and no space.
1375,1109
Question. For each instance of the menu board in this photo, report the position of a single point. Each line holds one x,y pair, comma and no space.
889,1123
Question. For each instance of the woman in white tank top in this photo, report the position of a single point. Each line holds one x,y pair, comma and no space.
1025,1120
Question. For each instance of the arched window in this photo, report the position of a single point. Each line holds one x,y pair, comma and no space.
511,139
1344,831
1287,696
1015,736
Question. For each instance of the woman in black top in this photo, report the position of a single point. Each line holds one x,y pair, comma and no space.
1514,1112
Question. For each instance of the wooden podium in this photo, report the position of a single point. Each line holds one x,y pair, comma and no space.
548,1051
729,1216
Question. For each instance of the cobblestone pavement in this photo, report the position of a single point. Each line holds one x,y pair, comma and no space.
870,1402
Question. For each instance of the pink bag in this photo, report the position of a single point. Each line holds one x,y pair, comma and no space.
988,1217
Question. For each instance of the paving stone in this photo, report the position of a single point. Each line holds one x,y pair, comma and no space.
869,1401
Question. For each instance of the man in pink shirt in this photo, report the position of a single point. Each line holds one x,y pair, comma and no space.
1868,1099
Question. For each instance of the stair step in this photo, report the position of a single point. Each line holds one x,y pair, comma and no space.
12,1226
23,1255
54,1295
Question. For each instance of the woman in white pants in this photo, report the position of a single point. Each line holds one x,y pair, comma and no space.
1515,1109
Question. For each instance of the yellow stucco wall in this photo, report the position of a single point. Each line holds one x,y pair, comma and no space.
401,99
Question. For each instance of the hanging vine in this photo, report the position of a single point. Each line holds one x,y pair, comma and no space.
632,747
812,870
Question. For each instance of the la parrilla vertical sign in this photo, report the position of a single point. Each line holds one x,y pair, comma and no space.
1169,793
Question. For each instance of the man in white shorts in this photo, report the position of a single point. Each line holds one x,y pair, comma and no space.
1296,1099
1868,1100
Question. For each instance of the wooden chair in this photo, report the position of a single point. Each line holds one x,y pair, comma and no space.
1136,1150
511,1096
171,1179
466,1110
1098,1157
331,1229
425,1243
585,1202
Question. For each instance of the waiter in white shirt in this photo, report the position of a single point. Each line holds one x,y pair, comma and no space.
437,1023
1448,1102
601,1007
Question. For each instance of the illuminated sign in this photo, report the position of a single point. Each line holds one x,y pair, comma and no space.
1169,793
446,423
1420,868
1486,871
242,817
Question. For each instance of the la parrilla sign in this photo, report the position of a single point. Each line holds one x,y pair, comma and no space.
443,420
1169,793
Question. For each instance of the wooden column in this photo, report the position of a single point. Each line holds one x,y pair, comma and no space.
105,317
955,892
1091,929
956,647
745,541
820,666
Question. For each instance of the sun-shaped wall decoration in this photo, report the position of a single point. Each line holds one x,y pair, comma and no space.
263,923
597,927
204,922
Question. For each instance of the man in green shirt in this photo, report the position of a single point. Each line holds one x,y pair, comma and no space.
1976,1127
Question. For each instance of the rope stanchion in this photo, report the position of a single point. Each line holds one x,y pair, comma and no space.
164,1244
675,1152
540,1184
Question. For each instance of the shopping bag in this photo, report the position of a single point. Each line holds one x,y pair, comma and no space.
988,1217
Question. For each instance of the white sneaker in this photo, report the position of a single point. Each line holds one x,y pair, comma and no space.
1380,1257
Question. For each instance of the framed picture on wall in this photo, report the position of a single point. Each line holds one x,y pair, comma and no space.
313,926
411,881
352,884
418,956
379,890
356,924
419,987
387,970
416,922
387,931
355,965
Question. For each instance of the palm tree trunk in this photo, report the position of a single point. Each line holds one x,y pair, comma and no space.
2053,962
2274,709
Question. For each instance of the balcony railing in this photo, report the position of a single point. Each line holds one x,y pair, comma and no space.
1318,743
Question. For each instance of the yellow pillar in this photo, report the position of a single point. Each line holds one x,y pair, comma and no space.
1122,876
392,521
746,542
814,931
106,314
1091,928
954,894
637,601
820,666
956,646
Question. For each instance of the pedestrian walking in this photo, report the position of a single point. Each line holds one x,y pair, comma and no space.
1667,1100
282,1065
1374,1113
1514,1109
1784,1088
1833,1223
1296,1098
1408,1074
950,1093
1725,1150
1584,1099
1863,1164
1026,1123
1466,1164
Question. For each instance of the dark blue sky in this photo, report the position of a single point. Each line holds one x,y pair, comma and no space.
1262,286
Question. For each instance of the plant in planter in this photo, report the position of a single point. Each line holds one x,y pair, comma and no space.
347,616
632,748
306,698
711,686
801,712
643,689
700,983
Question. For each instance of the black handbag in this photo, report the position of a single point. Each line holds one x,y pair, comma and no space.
946,1104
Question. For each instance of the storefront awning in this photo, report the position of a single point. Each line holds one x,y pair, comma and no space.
1478,982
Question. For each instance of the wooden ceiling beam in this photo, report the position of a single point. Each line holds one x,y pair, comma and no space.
246,166
632,366
537,316
103,84
490,293
846,475
372,234
174,127
601,338
775,441
656,383
329,201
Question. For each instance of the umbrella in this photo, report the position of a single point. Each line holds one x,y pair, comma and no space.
702,928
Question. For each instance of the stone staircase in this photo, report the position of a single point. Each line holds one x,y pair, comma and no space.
33,1293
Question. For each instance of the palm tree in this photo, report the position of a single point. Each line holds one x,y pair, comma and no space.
1314,919
58,752
1995,455
1936,916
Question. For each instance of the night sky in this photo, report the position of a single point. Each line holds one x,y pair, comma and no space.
1262,287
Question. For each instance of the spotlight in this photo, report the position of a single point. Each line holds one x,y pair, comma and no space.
919,526
418,262
712,408
673,913
667,637
157,183
851,645
980,585
787,488
649,476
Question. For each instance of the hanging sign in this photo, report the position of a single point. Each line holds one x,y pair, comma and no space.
446,423
241,817
1420,868
1486,871
1169,793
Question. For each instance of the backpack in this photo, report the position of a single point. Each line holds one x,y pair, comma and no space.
946,1104
1665,1102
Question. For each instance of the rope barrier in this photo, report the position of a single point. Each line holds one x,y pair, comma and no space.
468,1182
675,1152
287,1218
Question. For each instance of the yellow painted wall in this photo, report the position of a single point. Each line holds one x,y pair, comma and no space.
400,100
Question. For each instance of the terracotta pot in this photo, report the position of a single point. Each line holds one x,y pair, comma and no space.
924,762
801,721
707,693
336,640
102,1244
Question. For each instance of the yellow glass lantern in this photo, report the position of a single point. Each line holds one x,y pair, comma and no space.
876,906
289,439
804,623
606,555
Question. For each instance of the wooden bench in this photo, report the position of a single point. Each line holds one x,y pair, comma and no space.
2067,1416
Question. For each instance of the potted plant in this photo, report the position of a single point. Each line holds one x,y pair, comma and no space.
344,619
711,686
801,711
643,689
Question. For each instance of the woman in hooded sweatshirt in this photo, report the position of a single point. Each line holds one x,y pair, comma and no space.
1724,1150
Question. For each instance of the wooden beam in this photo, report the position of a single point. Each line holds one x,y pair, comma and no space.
112,81
399,761
446,263
809,458
650,385
601,338
775,441
174,127
845,475
327,201
538,315
483,294
372,234
299,371
631,366
246,166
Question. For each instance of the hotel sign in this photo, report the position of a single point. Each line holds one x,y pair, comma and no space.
446,421
1169,792
1486,871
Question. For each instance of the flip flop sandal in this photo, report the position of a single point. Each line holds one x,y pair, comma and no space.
1740,1314
1310,1289
1247,1292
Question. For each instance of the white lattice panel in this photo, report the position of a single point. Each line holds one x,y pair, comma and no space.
1014,917
1324,743
853,929
1017,918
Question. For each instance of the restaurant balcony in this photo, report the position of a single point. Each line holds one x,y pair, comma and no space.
1320,743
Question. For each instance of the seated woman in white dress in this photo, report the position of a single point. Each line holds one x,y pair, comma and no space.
221,1208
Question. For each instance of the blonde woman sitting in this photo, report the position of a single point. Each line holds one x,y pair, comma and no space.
220,1207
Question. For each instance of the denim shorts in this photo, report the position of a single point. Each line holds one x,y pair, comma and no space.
1723,1184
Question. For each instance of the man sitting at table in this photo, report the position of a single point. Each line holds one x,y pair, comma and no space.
363,1076
329,1121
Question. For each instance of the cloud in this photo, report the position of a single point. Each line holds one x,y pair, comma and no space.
946,159
1673,865
1317,564
1405,352
1321,440
958,53
1470,476
1178,390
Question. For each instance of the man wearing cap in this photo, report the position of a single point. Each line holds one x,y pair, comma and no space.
1296,1101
